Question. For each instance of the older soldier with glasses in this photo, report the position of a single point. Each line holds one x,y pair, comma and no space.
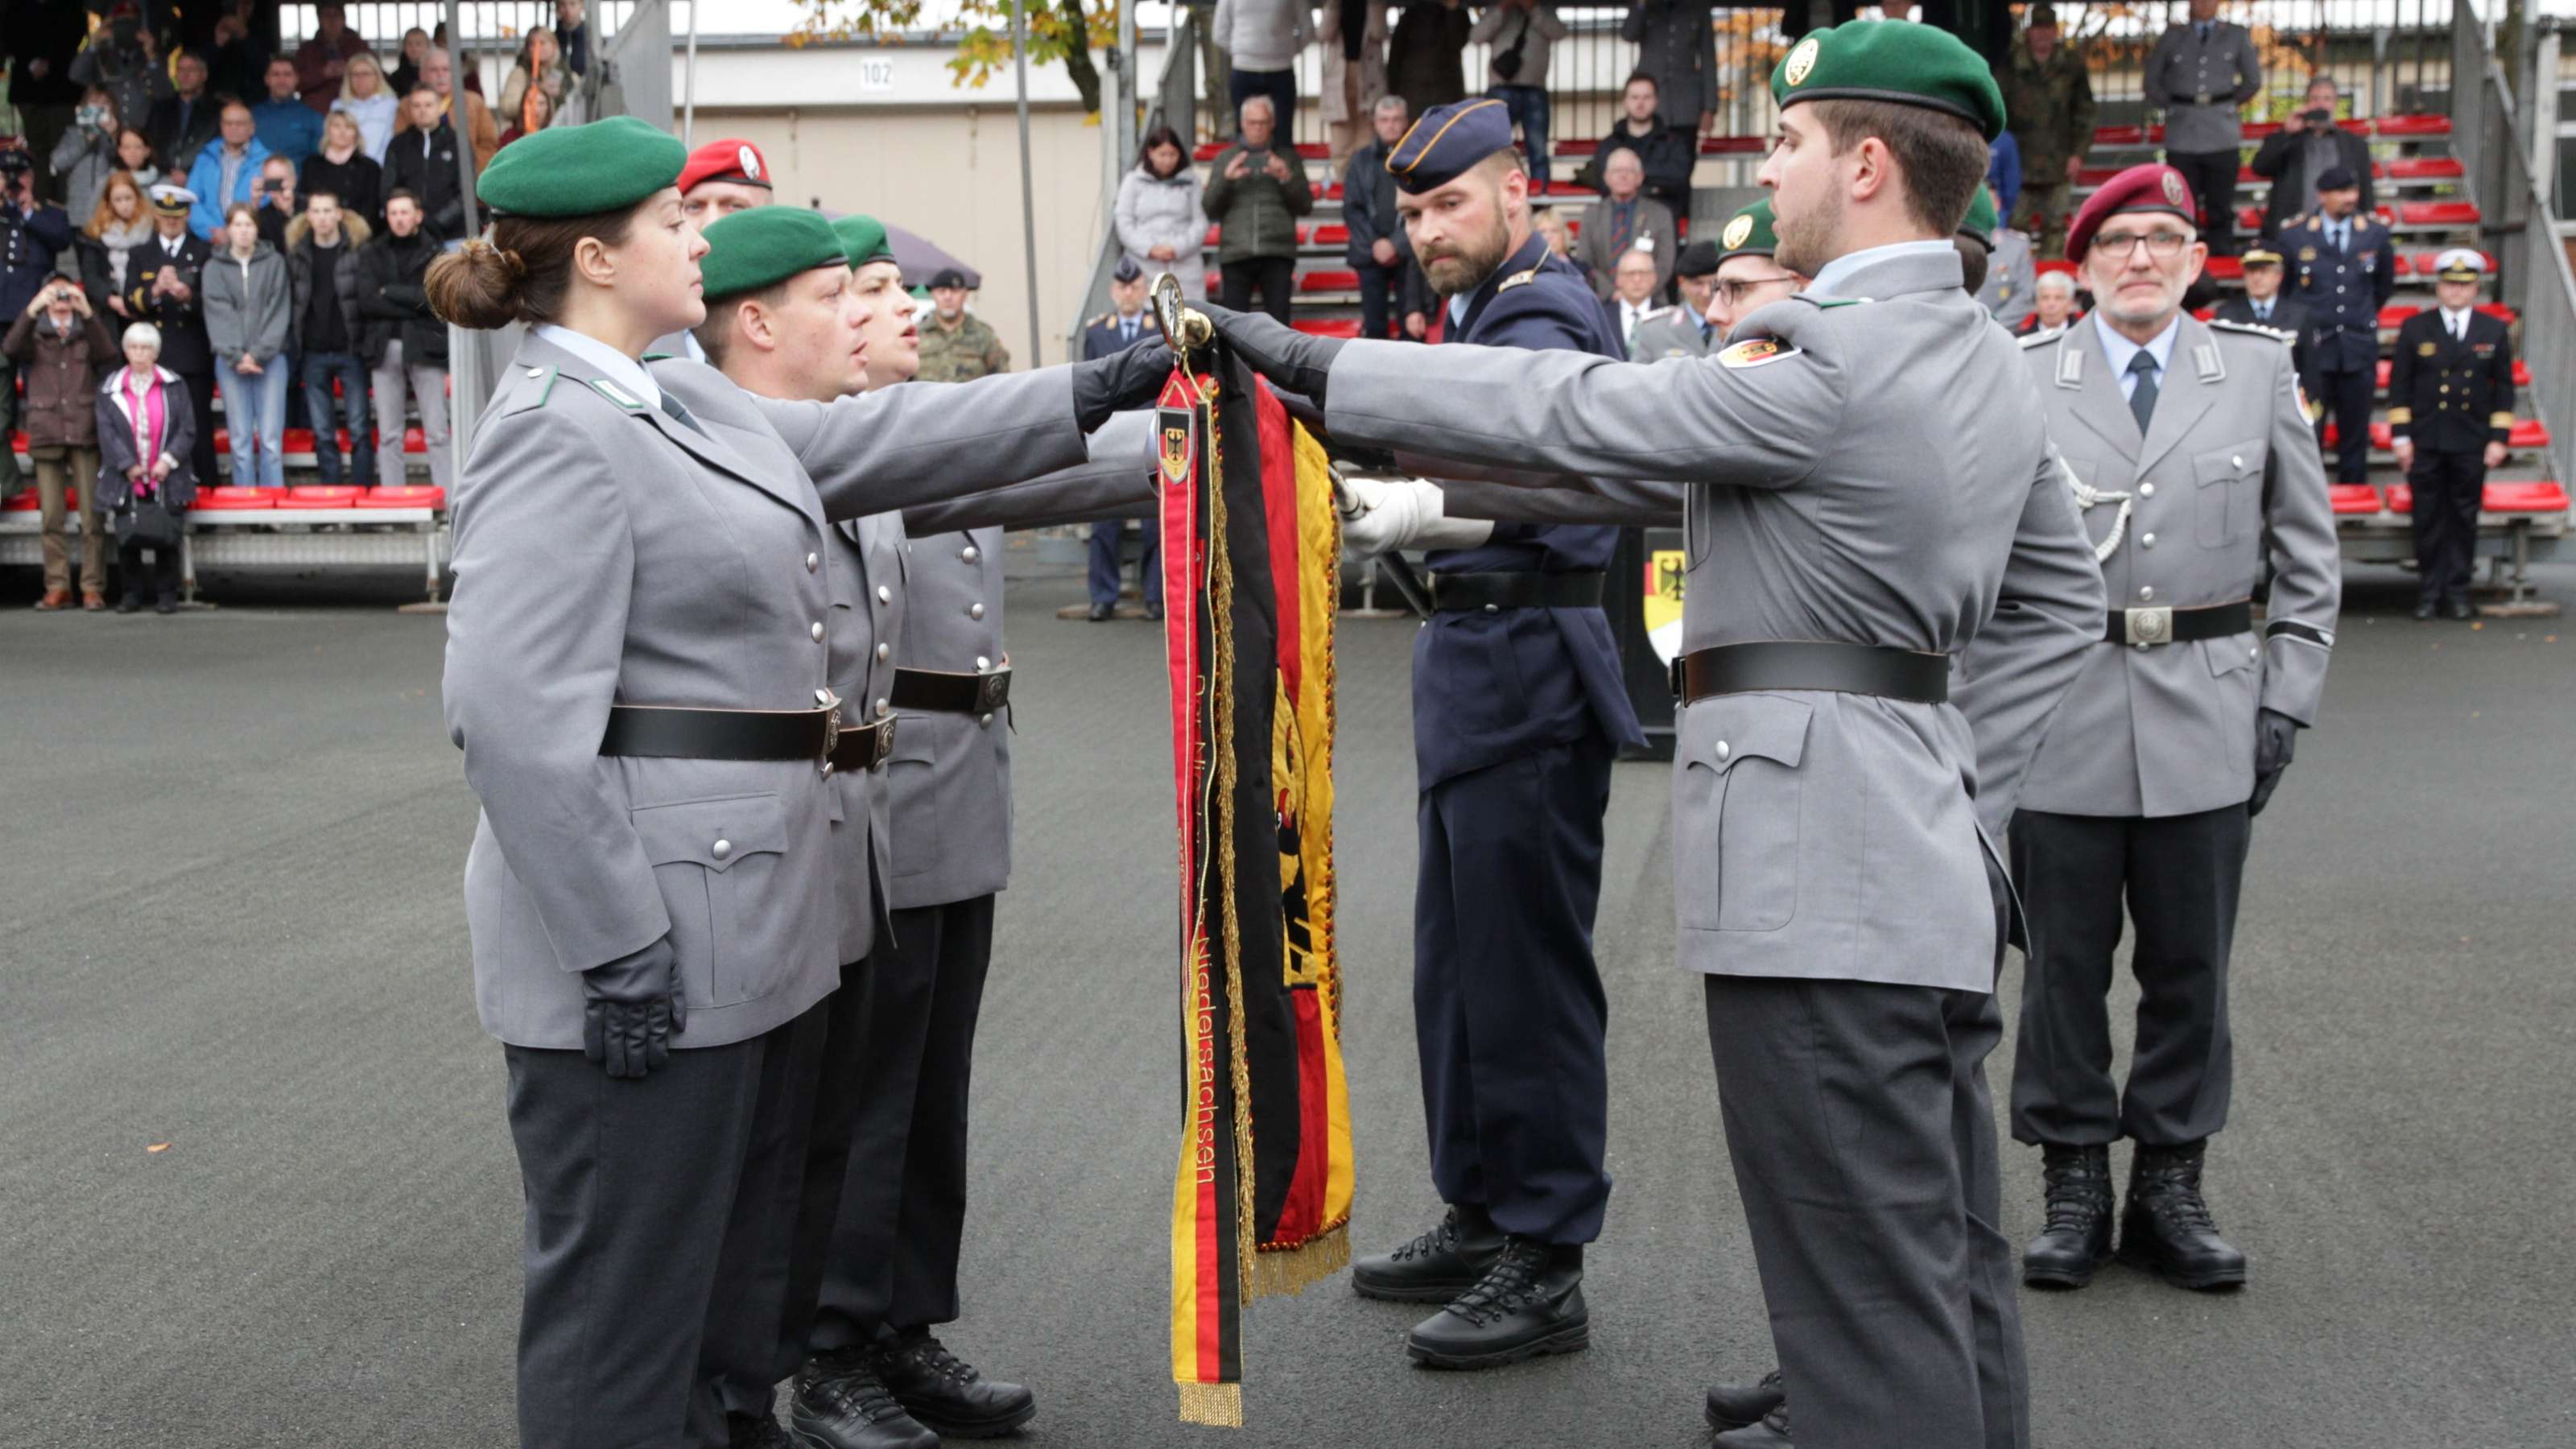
1888,593
2188,448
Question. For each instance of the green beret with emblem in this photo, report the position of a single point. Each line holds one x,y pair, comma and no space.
605,166
1891,60
766,245
1748,233
863,240
1979,227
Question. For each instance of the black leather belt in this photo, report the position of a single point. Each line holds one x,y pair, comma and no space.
2143,627
1799,664
1462,593
947,693
817,735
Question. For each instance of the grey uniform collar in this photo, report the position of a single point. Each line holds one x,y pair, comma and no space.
1913,266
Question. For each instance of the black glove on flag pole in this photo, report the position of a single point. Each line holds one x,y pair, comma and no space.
1251,549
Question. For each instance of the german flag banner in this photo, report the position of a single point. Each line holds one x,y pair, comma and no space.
1261,1202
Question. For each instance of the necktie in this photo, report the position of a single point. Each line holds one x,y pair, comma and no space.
2142,398
2262,311
2459,328
681,415
2204,32
1127,330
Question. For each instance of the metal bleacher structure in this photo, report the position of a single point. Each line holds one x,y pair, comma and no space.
2452,166
402,523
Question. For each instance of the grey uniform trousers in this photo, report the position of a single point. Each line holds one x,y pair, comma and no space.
638,1194
1863,1141
2181,875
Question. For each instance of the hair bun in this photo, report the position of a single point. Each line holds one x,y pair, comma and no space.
476,287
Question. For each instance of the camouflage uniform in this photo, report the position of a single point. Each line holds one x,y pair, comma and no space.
2050,109
961,353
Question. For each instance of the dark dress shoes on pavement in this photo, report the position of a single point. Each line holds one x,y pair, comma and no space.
128,604
1435,1267
2463,610
1740,1406
1100,612
743,1431
1771,1433
1530,1302
2166,1228
947,1395
2423,610
2077,1237
1154,613
842,1404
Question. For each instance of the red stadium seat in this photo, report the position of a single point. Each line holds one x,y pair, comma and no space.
2228,268
2401,498
1215,234
2420,168
1329,281
2396,313
2247,176
2353,499
229,499
2383,438
1574,148
2414,126
2096,175
2438,213
1329,191
295,440
409,495
1314,151
2203,314
2385,367
1208,151
2528,433
2528,496
223,440
2385,216
2250,220
2055,264
1733,145
24,501
415,441
2521,373
2499,311
1332,234
18,440
2401,265
1328,326
2261,130
319,497
2119,135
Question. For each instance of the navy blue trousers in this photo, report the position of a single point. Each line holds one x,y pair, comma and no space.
1508,1009
1108,569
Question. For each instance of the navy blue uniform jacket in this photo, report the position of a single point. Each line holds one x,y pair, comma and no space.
1493,687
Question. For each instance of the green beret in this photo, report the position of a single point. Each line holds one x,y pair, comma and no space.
1980,223
1891,60
1748,233
605,166
863,240
764,246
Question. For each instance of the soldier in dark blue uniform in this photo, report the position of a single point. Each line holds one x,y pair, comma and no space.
1127,323
2450,405
1518,712
2345,266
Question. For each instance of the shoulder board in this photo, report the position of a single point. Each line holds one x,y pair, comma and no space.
1755,352
2254,329
1815,301
661,357
1100,321
540,385
2042,339
1517,279
1660,314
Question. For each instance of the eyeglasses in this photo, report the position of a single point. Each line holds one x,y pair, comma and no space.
1735,291
2164,246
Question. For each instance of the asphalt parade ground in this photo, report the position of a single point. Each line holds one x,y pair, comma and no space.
256,1187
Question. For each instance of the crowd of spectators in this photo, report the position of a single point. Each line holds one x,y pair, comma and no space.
193,213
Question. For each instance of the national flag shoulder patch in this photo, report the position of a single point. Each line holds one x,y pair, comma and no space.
1755,351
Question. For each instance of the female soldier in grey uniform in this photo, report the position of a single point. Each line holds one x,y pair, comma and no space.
637,674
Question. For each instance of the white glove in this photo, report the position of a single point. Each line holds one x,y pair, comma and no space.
1404,513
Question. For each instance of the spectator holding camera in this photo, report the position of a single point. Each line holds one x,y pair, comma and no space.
1256,191
60,345
249,300
121,60
32,237
2307,146
87,152
146,430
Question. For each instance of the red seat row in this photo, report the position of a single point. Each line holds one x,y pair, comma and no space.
2527,433
2404,168
300,440
2405,127
1308,150
235,500
2527,496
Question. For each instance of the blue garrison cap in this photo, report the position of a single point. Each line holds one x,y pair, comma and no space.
1448,141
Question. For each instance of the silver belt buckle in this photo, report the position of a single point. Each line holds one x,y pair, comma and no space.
2149,626
831,729
885,738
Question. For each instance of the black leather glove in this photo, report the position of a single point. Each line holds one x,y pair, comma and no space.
2276,738
635,1008
1120,381
1289,358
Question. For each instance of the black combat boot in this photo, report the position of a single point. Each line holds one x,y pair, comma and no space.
1771,1433
1737,1406
842,1404
2077,1239
746,1431
2166,1228
1435,1267
1529,1303
947,1395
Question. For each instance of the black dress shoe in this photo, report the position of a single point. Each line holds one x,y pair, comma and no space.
947,1395
1737,1406
1435,1267
2166,1228
1101,611
1529,1303
2077,1238
2423,610
166,606
742,1431
1154,613
128,604
2463,610
841,1404
1771,1433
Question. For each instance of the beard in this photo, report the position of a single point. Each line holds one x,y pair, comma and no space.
1806,241
1462,267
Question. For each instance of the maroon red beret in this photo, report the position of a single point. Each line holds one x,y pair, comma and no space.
727,160
2152,187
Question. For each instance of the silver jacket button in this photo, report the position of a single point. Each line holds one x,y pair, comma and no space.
884,595
971,553
974,611
982,663
813,561
817,630
1724,750
2147,593
2146,490
822,696
2146,540
884,652
723,850
2237,461
882,710
983,722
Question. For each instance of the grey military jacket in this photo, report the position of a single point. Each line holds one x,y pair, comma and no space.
1838,489
1672,332
605,554
864,560
2226,475
2202,85
2012,278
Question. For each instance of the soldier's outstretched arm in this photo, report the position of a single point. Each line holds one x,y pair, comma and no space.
2307,562
1560,498
2049,611
1116,482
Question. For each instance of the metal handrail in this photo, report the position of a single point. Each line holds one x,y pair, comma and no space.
2533,274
